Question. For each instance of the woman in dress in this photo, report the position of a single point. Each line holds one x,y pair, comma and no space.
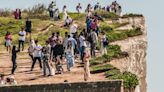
8,40
87,74
69,56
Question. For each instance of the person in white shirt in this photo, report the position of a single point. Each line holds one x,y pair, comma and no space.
78,8
51,8
73,29
67,22
57,17
37,55
103,44
83,45
65,12
22,36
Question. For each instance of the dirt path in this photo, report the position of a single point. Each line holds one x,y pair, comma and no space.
24,76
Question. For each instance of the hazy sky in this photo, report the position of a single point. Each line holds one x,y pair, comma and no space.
151,9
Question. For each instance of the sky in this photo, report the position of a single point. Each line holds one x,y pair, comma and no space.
151,9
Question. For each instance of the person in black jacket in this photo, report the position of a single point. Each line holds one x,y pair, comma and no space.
58,50
13,58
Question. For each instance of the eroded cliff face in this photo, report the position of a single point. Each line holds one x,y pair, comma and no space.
136,48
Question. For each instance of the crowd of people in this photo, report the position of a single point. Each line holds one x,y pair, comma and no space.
58,49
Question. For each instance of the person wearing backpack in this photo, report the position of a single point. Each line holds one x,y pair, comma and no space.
104,43
94,42
46,51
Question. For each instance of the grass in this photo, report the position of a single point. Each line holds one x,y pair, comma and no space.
105,14
101,68
129,80
114,51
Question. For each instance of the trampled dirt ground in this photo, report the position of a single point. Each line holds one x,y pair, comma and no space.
24,76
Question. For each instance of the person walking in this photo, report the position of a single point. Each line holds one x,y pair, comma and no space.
51,10
8,41
78,8
69,56
28,27
64,12
13,58
87,74
37,55
104,43
22,36
82,43
46,50
31,49
93,43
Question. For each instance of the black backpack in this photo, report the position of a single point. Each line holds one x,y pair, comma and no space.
89,39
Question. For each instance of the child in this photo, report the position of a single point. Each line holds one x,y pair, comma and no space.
13,58
58,62
86,65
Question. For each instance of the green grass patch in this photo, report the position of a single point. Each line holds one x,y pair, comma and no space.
101,68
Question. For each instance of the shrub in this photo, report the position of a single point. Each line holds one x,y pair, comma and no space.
101,68
5,12
37,9
130,80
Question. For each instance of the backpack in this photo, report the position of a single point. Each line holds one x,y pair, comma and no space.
105,43
89,39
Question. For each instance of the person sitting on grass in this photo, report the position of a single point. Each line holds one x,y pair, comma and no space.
67,21
13,58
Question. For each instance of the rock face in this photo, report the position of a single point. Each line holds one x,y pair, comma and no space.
136,48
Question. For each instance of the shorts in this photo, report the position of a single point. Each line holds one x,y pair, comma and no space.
28,30
8,43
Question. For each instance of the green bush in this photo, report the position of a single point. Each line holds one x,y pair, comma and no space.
101,68
105,27
130,80
135,32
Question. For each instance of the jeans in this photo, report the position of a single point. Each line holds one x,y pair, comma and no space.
21,43
46,65
82,49
51,14
70,61
31,57
33,63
